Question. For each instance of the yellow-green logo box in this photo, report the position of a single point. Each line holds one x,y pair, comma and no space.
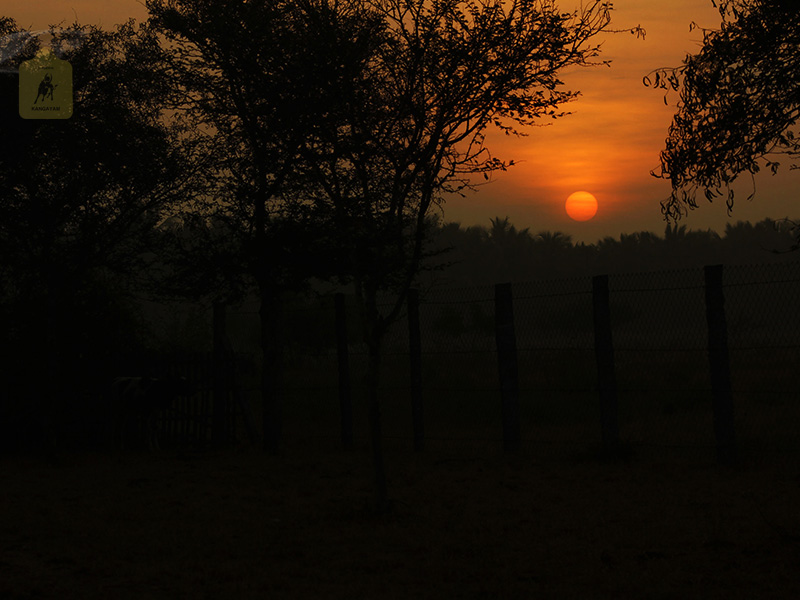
45,87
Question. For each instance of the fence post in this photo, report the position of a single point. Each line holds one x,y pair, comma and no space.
415,353
345,402
719,363
507,364
220,406
606,370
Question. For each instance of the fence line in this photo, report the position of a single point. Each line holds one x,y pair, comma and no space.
211,414
606,372
658,329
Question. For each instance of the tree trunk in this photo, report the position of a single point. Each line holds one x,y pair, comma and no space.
271,313
376,434
219,429
373,331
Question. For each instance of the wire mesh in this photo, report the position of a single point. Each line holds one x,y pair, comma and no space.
764,339
660,338
660,342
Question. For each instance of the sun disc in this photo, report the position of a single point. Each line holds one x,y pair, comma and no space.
581,206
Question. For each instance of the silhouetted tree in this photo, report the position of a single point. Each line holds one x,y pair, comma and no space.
466,254
204,257
79,198
258,78
474,263
745,242
503,232
550,250
411,126
506,250
739,103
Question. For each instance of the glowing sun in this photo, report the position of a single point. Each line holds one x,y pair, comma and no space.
581,206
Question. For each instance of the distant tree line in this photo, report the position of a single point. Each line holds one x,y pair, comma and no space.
479,255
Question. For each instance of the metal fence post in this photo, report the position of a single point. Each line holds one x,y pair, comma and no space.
719,363
507,364
220,410
604,355
342,354
415,354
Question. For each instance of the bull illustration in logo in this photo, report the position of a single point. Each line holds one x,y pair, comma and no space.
46,88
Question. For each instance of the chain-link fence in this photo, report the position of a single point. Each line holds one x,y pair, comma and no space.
660,341
764,338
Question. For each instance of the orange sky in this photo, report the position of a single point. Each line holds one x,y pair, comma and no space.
607,146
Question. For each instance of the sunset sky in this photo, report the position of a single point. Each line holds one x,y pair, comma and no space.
608,146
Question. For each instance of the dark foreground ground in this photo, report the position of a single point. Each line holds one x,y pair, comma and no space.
240,525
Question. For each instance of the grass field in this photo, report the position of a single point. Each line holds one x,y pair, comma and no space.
545,523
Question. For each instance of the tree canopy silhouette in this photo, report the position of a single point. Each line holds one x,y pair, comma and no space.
79,198
261,79
411,127
484,256
353,118
739,102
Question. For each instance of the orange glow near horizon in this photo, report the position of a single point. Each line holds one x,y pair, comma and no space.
581,206
609,143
